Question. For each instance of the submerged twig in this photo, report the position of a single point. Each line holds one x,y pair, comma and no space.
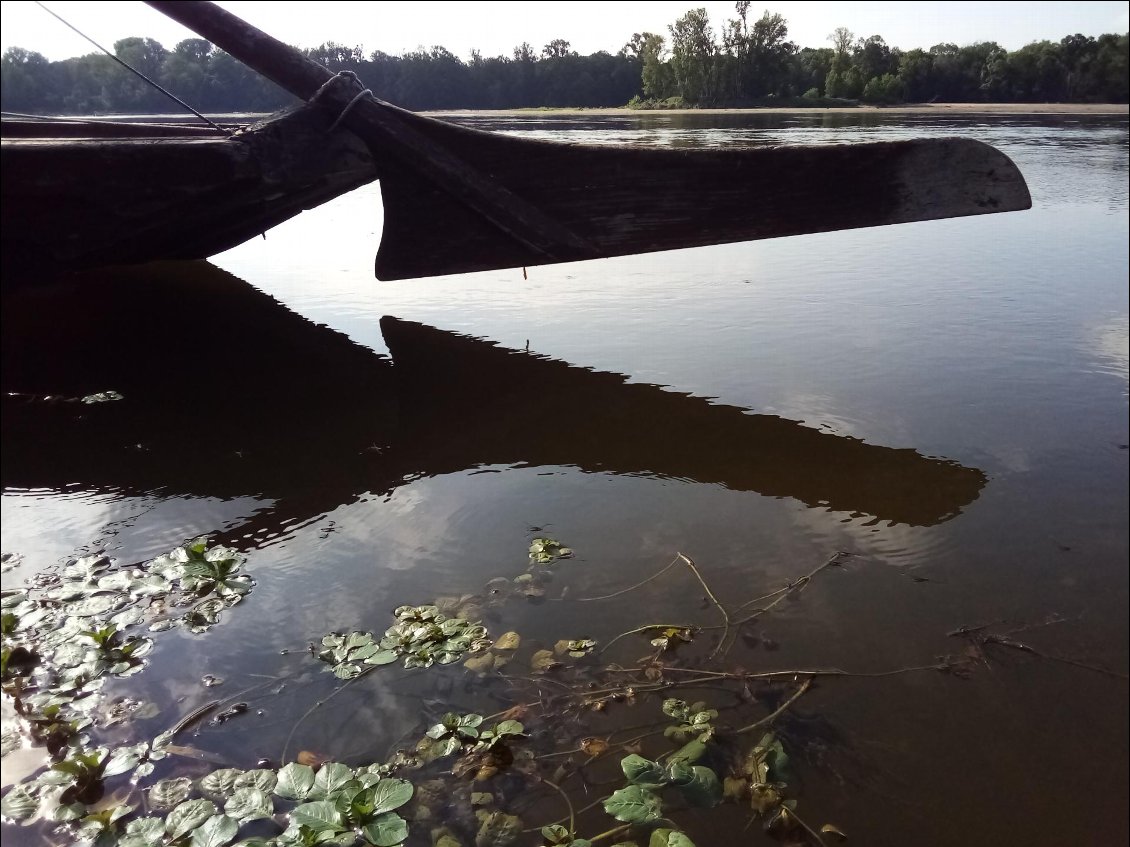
776,713
788,589
568,803
1012,643
290,736
725,615
640,584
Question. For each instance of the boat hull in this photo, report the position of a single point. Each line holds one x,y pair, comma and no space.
122,194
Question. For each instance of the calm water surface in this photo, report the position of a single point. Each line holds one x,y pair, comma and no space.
948,400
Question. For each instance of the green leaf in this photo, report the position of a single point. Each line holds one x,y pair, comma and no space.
249,804
143,832
187,816
346,670
330,777
295,781
669,838
689,753
125,759
679,773
382,657
641,771
319,816
634,805
386,830
221,783
215,832
555,833
389,794
262,779
168,792
705,790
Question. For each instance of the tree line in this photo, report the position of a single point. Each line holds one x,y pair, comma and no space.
746,63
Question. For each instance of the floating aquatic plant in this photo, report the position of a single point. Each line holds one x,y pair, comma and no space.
545,550
422,636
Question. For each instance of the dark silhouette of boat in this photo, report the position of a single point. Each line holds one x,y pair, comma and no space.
226,393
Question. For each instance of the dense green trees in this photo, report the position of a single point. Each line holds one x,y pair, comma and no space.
747,62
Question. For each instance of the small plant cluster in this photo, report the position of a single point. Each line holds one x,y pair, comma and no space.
464,734
62,636
422,636
334,805
695,720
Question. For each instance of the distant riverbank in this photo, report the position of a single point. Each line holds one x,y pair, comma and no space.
910,109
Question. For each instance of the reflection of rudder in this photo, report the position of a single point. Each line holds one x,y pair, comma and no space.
468,402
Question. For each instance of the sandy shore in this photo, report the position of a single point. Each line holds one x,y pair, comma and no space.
918,109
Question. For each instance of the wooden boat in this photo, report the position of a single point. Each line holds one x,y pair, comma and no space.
458,199
81,194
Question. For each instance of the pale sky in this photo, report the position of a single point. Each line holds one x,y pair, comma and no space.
496,27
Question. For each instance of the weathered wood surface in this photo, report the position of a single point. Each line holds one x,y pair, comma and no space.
84,202
24,127
458,199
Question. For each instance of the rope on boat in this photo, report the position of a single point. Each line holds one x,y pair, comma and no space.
134,70
341,75
366,93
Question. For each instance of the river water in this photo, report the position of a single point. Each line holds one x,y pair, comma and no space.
946,400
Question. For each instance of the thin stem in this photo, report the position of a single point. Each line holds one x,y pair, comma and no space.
640,584
579,811
318,705
813,672
611,833
788,589
776,713
809,829
725,615
568,803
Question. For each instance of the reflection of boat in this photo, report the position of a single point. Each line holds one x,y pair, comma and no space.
240,396
473,403
88,193
456,199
